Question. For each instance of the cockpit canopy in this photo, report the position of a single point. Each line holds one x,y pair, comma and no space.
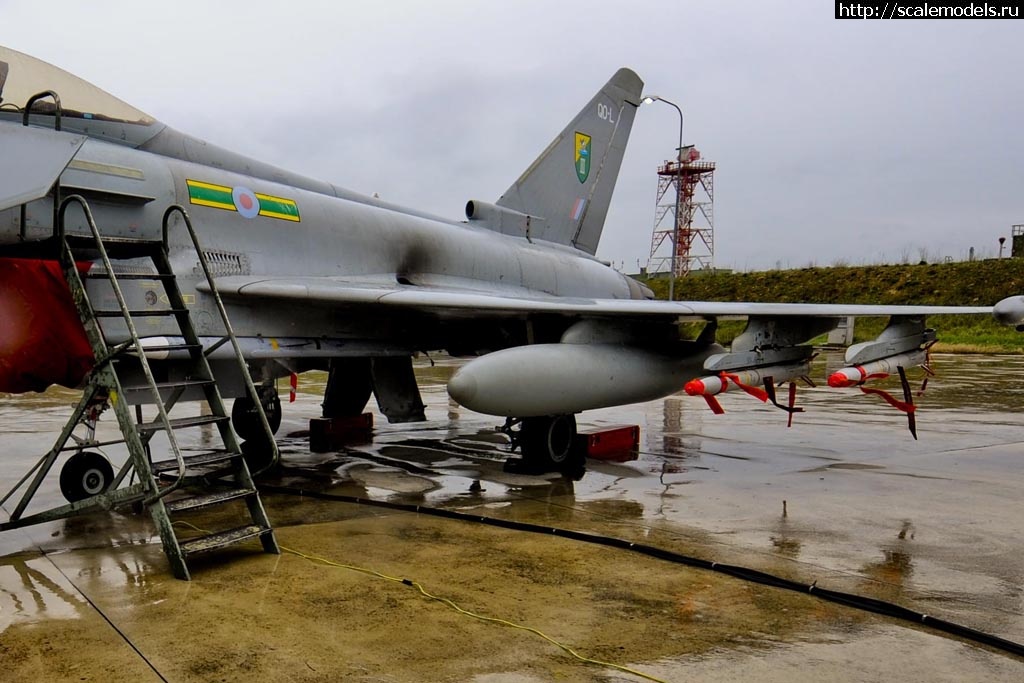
22,76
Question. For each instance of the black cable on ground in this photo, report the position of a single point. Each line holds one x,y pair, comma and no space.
860,602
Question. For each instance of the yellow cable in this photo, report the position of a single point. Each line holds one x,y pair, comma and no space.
457,608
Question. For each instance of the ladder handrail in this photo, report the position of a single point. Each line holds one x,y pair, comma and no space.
58,110
39,96
133,333
229,331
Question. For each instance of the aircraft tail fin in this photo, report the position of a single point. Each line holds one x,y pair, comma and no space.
569,186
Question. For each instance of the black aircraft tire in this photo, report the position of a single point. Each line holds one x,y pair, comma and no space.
257,453
85,474
246,419
548,441
349,387
351,402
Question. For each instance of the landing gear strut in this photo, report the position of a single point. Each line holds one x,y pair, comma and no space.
547,443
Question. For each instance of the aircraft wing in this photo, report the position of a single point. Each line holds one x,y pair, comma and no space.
456,301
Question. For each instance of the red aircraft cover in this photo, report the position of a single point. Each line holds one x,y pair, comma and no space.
42,341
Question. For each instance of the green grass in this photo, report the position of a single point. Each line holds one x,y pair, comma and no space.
980,283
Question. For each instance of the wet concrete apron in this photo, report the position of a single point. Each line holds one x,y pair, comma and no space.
934,525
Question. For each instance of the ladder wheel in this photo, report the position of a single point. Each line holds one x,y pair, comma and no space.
246,420
85,474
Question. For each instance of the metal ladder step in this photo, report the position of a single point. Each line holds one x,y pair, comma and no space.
140,312
197,460
130,276
116,247
182,422
220,539
207,499
169,347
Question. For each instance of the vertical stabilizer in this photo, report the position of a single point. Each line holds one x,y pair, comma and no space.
570,184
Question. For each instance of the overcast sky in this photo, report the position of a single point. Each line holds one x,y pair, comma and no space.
836,141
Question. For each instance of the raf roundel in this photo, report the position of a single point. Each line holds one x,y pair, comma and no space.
245,202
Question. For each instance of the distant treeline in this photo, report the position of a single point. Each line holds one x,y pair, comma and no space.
977,283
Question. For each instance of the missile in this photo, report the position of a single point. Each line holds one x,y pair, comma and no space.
713,385
747,379
859,374
561,379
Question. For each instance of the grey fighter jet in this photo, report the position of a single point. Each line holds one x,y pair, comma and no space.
318,277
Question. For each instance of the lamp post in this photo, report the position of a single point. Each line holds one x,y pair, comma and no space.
650,99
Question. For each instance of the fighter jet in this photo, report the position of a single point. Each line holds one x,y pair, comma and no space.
315,276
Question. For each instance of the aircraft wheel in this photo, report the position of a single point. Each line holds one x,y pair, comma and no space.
257,453
349,386
85,474
547,442
246,419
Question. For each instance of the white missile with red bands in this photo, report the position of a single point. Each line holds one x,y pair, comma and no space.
856,375
712,385
748,380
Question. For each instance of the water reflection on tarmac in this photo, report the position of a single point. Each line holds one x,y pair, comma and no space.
846,497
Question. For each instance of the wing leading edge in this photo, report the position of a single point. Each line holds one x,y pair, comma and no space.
439,300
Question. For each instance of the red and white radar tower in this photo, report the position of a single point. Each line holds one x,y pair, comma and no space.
687,183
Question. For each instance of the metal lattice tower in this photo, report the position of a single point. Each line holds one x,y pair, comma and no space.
692,181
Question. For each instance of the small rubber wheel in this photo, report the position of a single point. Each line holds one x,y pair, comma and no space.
85,474
246,419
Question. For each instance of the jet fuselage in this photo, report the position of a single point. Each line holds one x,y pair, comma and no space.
301,232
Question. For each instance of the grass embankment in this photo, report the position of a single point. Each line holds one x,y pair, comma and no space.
981,283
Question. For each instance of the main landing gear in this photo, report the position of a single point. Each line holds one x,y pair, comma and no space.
246,419
548,444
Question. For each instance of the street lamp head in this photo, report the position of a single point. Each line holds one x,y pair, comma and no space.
650,99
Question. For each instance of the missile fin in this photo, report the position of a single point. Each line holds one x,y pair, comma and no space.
713,403
792,404
908,396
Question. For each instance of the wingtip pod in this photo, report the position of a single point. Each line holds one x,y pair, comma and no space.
1010,311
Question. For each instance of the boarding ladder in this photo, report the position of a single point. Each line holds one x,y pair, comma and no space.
160,485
